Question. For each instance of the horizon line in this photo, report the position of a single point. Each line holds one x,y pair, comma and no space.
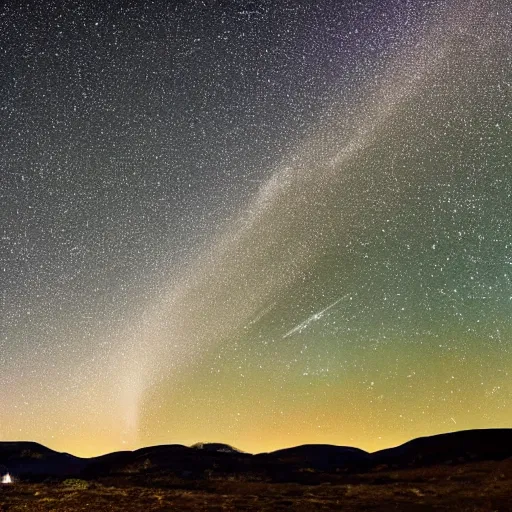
257,453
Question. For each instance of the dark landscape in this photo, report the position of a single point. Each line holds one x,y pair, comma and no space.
468,470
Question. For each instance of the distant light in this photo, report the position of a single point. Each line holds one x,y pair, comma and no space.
7,479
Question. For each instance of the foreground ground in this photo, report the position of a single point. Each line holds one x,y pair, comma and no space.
485,486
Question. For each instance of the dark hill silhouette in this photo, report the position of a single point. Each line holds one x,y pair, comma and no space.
216,448
29,458
321,457
453,447
34,461
171,458
24,449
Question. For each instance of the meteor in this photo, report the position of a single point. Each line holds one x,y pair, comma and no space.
313,318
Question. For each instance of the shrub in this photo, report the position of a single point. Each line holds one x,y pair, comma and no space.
76,484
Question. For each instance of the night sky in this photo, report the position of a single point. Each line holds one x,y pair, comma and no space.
259,223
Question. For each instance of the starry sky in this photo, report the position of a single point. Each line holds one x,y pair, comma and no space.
254,222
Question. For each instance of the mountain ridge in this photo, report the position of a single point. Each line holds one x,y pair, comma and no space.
31,459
